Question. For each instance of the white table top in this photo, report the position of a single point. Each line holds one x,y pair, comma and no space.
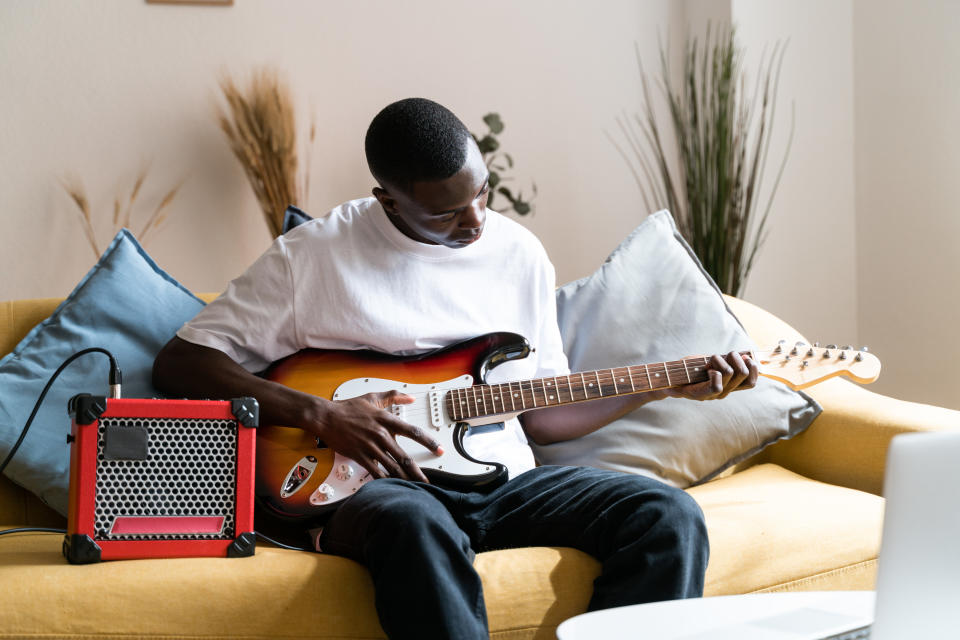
782,615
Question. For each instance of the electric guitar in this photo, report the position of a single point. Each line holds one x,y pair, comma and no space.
298,478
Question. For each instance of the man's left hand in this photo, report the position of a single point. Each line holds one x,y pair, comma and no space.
732,372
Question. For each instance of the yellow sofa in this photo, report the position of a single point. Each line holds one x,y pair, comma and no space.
804,514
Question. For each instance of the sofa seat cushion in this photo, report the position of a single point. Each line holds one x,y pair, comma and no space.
274,594
771,529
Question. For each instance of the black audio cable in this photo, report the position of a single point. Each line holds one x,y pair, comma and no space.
114,381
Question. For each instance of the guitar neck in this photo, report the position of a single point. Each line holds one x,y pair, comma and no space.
511,397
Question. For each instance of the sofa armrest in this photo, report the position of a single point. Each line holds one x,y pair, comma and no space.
847,444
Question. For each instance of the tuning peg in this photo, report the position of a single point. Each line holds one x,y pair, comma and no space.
859,357
804,364
826,353
800,343
847,347
843,355
810,352
793,351
831,346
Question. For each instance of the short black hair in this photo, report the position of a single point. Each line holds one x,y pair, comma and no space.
415,140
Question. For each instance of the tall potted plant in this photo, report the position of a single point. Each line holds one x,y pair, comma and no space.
721,138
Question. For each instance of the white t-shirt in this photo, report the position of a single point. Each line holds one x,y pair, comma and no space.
351,280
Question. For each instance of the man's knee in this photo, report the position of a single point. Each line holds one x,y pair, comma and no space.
400,508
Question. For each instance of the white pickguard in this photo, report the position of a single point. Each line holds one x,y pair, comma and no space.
427,413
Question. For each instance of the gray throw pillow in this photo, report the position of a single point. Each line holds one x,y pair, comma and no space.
651,301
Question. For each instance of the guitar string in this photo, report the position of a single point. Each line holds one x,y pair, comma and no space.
605,378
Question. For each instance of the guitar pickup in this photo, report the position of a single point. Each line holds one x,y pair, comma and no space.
437,417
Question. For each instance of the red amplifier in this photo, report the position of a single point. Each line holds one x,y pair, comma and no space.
160,478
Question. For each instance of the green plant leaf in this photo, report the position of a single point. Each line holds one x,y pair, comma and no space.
509,160
488,144
493,121
494,179
522,208
507,194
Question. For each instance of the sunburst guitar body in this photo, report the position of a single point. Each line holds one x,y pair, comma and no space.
299,479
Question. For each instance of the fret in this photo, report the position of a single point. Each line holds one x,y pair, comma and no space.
556,389
613,377
570,389
649,382
451,396
666,372
596,374
523,402
584,382
483,399
513,404
543,387
503,405
630,374
687,371
476,405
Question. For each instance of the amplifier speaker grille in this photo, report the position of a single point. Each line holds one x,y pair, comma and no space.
190,470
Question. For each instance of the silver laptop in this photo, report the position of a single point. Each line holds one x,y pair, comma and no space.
918,579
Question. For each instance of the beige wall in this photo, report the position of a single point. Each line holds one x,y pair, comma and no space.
906,61
806,271
97,89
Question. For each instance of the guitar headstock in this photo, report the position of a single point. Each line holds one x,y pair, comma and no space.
800,365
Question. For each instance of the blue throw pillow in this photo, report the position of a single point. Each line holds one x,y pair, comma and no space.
125,304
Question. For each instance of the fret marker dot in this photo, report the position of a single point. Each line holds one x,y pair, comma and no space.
462,402
515,396
696,368
591,384
656,375
551,397
621,379
549,384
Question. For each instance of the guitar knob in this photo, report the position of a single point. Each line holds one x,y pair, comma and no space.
324,493
344,471
843,355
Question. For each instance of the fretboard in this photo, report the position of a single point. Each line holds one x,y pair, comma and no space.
524,395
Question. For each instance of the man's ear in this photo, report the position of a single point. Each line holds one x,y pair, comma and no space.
386,200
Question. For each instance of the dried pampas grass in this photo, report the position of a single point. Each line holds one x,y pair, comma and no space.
260,126
121,215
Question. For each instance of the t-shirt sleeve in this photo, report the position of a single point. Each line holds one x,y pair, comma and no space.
254,320
551,360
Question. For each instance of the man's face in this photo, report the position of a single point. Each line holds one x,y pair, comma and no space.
449,212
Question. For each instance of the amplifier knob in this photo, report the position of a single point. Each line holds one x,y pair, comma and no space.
344,471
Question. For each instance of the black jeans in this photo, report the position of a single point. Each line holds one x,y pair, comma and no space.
419,540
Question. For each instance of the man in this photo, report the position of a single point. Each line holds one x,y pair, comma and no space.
421,265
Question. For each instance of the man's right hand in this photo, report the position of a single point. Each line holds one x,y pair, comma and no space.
364,430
